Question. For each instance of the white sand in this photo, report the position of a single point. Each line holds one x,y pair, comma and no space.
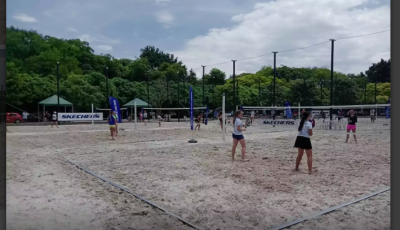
198,182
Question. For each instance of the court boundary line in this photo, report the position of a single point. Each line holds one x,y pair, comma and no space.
124,189
135,195
291,223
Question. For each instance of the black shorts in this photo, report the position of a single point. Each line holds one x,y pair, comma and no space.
237,137
303,143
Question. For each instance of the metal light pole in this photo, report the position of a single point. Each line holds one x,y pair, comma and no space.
108,95
237,91
331,110
259,84
203,91
167,95
178,102
376,81
58,90
203,84
365,91
234,81
321,92
274,76
148,90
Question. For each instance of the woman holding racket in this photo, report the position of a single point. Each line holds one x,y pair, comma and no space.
303,141
237,135
351,125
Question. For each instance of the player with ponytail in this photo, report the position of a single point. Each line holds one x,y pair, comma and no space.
303,141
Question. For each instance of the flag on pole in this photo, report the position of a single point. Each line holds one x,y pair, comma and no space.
115,107
288,110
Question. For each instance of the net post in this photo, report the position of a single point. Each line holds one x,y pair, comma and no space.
223,116
135,115
92,115
298,113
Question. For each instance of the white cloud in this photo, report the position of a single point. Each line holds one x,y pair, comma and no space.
288,24
105,47
99,39
72,29
165,18
24,18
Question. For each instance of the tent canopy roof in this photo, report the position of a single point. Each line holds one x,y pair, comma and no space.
51,101
139,103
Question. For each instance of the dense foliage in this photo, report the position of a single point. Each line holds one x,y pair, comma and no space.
31,77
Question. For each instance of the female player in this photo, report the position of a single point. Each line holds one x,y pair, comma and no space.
159,119
237,135
116,123
252,117
111,122
54,119
303,141
351,125
220,119
198,120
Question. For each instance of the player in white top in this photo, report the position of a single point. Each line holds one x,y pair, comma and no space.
303,141
237,135
54,118
145,118
252,117
372,113
159,119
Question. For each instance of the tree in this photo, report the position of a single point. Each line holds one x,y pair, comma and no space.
379,71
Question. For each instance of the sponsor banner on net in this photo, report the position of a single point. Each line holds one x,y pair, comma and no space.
80,116
277,122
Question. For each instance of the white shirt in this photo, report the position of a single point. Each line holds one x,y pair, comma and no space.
54,116
304,132
145,115
252,113
237,122
372,112
159,117
25,115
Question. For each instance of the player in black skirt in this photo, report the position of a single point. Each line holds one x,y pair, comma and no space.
303,141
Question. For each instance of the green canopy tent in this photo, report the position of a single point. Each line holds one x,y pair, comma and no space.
139,103
52,101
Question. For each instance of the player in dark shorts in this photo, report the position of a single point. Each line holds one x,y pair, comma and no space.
198,120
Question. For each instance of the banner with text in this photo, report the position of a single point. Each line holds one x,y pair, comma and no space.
80,116
115,107
277,122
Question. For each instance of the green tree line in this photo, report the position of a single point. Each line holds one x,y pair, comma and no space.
32,77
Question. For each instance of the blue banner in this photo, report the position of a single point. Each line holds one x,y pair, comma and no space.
115,107
288,110
191,107
205,122
388,110
241,107
215,113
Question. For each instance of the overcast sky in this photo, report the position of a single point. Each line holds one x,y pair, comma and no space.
204,32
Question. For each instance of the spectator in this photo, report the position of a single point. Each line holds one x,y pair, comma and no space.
25,116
